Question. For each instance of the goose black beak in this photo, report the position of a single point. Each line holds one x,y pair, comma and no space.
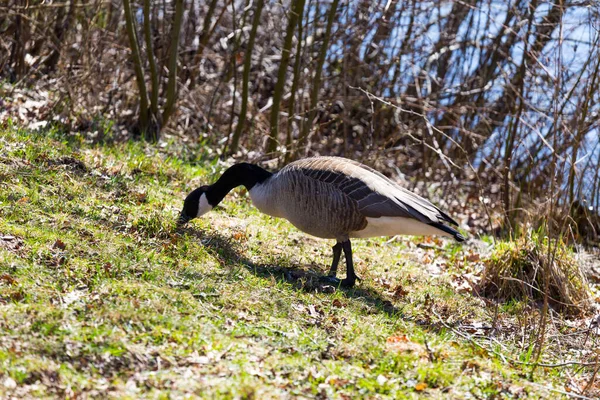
182,220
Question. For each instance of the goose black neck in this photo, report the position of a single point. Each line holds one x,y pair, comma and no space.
236,175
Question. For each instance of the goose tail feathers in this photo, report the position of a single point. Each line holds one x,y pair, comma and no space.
456,234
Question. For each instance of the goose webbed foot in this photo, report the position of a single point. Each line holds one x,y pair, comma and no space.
351,277
337,282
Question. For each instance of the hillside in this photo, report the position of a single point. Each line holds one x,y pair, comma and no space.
101,296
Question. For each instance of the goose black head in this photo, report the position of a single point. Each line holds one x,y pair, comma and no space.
195,205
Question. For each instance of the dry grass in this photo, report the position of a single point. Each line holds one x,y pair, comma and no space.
525,267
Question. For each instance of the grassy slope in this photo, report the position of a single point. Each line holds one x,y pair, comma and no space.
99,294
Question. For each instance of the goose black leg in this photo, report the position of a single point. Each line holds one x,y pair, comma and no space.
351,277
337,253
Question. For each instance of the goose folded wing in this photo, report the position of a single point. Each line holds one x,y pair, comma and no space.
376,195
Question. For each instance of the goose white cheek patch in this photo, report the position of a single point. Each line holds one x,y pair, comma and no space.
203,205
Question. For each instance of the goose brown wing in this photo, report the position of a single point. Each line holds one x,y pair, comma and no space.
375,195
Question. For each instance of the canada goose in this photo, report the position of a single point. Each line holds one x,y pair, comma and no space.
328,197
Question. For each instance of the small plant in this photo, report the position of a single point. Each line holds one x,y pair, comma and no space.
523,268
152,225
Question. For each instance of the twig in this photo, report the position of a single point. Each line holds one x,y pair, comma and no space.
574,395
52,5
593,378
469,338
445,159
430,354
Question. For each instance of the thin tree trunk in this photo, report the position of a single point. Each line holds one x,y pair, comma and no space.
174,46
246,77
137,65
233,66
581,132
20,39
595,200
61,27
294,90
514,127
204,35
151,59
297,10
503,105
314,96
403,47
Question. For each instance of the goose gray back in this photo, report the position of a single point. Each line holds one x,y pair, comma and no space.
330,197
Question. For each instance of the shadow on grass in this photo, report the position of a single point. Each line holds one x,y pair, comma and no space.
306,278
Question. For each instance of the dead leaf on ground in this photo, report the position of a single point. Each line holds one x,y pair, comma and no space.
470,365
399,292
59,244
419,387
402,344
461,286
140,197
239,235
10,242
473,257
384,282
8,279
313,311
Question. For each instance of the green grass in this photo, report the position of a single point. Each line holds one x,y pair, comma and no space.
101,296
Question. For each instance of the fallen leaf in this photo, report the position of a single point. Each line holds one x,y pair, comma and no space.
59,244
420,386
473,257
461,286
383,282
313,311
337,303
471,365
8,279
399,292
16,295
403,344
239,235
397,339
10,242
140,197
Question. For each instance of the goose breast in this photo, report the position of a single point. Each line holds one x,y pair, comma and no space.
311,205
